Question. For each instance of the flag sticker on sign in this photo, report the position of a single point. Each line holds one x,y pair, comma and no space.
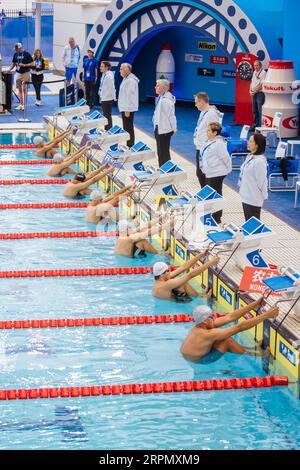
252,280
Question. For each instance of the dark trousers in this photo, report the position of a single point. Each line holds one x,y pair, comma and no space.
128,127
251,211
107,110
90,89
163,146
199,173
217,184
257,104
37,81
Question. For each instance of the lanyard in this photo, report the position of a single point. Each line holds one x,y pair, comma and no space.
243,169
201,117
207,147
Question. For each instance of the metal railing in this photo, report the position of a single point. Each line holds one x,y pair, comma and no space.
13,13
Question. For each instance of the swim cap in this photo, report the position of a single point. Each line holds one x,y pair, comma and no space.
96,195
201,313
38,140
160,268
80,177
58,158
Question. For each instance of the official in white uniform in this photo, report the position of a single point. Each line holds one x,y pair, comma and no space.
208,114
215,161
258,96
253,180
128,100
164,120
107,91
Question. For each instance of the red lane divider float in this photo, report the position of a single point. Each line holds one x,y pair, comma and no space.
45,205
77,272
26,162
24,236
139,389
103,321
17,146
33,181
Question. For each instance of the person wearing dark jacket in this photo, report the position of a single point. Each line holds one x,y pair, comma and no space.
37,76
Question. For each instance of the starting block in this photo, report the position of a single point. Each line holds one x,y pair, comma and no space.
289,285
168,174
84,123
129,159
68,111
104,139
244,242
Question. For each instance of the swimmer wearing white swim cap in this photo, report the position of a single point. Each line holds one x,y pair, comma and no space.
47,149
171,285
133,241
104,209
207,342
61,166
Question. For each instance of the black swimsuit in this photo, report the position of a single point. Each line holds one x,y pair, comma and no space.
138,252
181,297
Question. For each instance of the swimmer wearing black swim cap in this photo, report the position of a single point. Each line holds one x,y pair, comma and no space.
79,186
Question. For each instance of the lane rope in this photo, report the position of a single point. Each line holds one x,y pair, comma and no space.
33,181
45,205
26,162
25,236
77,272
97,321
146,388
19,146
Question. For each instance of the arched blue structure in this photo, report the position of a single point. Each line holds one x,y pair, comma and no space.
123,26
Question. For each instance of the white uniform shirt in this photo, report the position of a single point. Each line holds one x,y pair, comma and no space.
107,89
215,159
129,94
206,117
71,56
253,180
164,115
258,78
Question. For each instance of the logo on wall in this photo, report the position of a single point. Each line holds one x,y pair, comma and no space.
290,122
218,59
194,58
287,353
207,46
226,295
206,72
228,74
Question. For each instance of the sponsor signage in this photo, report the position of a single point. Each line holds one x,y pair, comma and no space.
207,46
226,295
252,280
287,353
218,59
228,73
194,58
203,72
180,252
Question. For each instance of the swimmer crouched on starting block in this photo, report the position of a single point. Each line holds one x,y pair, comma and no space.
133,243
207,342
79,186
47,149
171,287
101,207
61,166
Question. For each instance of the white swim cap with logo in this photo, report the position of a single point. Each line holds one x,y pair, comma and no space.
38,140
58,158
201,313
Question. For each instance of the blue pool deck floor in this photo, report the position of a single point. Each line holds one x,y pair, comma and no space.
280,204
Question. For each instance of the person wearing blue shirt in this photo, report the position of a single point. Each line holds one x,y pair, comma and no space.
90,76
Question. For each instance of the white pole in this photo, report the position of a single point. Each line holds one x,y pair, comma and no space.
38,25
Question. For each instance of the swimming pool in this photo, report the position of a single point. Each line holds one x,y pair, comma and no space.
238,419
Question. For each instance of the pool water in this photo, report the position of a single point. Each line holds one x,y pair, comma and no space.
239,419
19,138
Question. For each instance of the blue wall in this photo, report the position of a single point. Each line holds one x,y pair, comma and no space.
291,44
187,81
22,29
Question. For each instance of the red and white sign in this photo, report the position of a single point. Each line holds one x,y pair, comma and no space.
218,59
253,277
291,122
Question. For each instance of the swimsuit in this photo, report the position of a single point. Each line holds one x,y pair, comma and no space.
181,297
138,252
213,356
